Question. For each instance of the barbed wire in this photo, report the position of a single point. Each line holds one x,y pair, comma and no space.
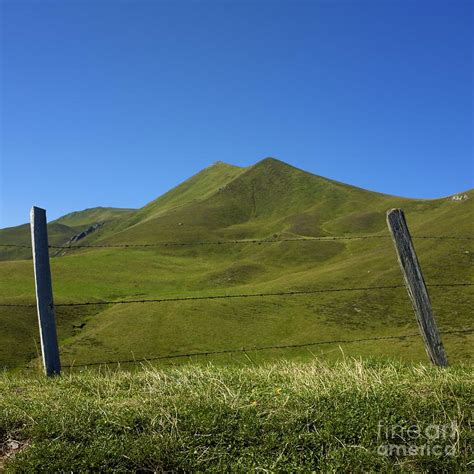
17,246
239,295
251,295
261,348
241,241
249,349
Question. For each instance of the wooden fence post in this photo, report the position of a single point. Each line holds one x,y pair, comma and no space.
416,286
44,292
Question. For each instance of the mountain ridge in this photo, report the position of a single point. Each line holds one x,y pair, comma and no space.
225,175
267,198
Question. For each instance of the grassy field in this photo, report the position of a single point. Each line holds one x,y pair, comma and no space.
316,416
269,200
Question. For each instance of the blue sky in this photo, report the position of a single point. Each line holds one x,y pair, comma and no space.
113,103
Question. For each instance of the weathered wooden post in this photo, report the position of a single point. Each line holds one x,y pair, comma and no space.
416,286
44,292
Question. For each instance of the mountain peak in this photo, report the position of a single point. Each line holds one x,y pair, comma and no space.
221,166
269,160
273,163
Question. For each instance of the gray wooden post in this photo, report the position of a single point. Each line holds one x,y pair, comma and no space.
416,286
44,292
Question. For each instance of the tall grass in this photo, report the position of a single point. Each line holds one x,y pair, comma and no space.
282,416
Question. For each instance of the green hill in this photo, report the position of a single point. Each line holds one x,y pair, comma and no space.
270,200
93,215
59,231
226,201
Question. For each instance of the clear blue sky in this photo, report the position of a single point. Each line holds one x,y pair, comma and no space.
114,102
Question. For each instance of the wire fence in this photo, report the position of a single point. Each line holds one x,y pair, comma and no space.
262,348
246,295
246,350
240,295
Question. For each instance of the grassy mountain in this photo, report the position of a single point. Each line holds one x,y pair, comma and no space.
59,231
93,215
268,200
270,197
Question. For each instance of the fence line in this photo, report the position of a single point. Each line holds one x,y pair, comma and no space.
262,348
240,295
400,238
244,350
241,241
17,246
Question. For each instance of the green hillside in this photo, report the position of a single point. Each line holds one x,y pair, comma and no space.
58,234
93,215
270,200
59,230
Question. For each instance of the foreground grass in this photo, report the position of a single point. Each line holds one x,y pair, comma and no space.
281,416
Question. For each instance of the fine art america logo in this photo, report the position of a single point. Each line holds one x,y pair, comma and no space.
415,440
